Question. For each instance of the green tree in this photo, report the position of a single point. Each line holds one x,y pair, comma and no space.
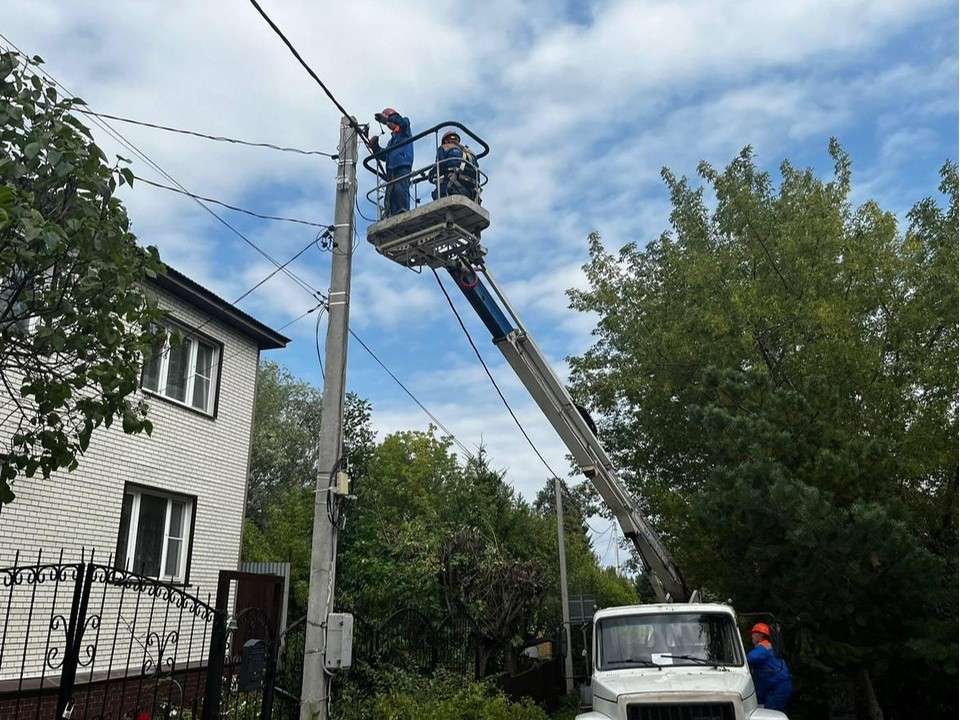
778,379
283,470
75,318
389,549
285,431
412,509
499,596
585,576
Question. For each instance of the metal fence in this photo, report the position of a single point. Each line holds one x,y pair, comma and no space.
99,641
288,682
408,639
89,641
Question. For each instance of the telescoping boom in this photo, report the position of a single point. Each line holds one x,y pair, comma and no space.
528,362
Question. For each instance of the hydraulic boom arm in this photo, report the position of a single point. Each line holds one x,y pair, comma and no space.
544,386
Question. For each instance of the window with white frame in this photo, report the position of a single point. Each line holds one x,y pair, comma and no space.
155,534
184,371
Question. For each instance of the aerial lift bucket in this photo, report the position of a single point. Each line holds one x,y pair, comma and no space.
439,232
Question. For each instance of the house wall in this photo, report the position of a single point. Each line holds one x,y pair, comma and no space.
188,453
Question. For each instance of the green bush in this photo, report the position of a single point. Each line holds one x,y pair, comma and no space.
445,696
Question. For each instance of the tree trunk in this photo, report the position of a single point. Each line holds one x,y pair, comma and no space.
484,651
511,662
869,697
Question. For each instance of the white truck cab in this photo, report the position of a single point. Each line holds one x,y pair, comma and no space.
682,661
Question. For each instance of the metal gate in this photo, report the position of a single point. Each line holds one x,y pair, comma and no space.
252,604
97,642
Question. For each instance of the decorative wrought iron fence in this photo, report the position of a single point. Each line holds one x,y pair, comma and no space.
103,643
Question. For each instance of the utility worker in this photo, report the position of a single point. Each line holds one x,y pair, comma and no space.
771,677
398,160
457,166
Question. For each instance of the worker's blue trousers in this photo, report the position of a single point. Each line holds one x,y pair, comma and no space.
398,191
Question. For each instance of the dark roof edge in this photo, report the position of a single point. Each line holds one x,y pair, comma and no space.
192,292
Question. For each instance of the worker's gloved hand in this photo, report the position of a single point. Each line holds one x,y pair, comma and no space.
374,142
380,118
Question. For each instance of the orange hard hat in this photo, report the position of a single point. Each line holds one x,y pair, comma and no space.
451,135
761,628
388,111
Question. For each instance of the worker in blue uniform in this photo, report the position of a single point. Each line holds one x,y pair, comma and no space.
771,676
456,168
398,159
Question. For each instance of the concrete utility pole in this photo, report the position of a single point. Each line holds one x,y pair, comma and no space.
564,594
315,698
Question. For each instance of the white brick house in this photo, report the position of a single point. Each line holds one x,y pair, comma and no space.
169,505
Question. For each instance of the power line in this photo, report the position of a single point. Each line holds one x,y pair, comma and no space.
576,506
356,202
301,316
563,485
282,267
411,395
287,324
490,376
118,137
229,207
196,331
218,138
353,123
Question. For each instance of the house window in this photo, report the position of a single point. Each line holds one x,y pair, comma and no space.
184,371
14,307
155,534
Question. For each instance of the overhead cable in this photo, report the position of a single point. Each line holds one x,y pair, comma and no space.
119,137
282,267
503,398
228,206
301,316
412,396
353,123
321,304
218,138
490,376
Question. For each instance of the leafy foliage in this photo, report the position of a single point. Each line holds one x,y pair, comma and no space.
423,524
413,497
497,595
75,319
283,470
778,377
402,696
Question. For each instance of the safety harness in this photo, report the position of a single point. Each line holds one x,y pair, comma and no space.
464,176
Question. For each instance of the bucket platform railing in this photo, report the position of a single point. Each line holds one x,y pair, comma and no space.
436,230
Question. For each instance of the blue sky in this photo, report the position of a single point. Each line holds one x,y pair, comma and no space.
582,104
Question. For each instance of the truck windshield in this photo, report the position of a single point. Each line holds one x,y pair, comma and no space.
667,639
